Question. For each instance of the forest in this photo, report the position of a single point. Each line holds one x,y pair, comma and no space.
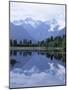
50,43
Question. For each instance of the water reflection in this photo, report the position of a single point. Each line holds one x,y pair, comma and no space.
12,63
48,54
26,68
24,53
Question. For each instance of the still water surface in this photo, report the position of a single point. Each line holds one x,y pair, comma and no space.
30,69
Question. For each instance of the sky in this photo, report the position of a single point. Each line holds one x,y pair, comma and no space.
43,12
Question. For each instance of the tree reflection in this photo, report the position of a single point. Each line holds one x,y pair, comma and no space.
56,55
24,53
49,54
13,52
12,63
20,52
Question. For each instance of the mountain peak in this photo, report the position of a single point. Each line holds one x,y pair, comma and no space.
28,19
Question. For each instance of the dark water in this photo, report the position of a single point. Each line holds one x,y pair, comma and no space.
36,68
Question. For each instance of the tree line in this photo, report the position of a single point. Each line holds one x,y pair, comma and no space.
58,41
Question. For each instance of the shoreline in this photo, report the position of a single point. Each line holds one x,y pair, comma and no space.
37,48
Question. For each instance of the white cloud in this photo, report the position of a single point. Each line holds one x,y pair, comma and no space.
42,12
61,24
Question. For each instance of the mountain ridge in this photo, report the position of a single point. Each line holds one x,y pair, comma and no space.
42,30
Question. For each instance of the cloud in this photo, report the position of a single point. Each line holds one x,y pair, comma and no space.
52,76
42,12
61,24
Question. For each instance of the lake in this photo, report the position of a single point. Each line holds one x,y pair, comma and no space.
37,68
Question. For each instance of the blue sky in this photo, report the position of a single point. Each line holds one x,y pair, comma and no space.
36,11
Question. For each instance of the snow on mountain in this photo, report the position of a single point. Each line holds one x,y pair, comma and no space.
61,24
34,23
56,25
30,21
26,21
38,30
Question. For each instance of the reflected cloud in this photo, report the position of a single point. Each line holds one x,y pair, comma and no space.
37,69
52,76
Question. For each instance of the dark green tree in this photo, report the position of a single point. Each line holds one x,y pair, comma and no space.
14,42
11,43
20,42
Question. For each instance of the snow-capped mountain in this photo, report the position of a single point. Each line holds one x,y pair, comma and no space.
35,30
29,21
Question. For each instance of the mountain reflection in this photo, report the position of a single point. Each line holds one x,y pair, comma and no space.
21,58
26,68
